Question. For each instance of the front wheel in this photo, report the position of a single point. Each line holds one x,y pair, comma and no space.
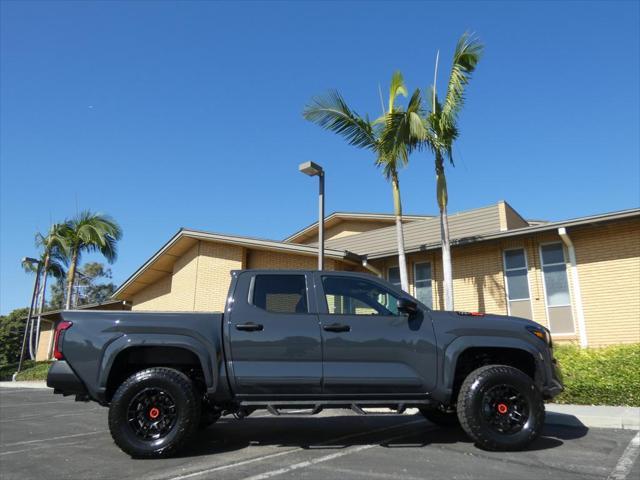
154,413
500,408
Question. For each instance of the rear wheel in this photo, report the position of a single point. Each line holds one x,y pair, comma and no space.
500,408
154,413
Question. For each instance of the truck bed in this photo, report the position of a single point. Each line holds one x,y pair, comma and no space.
97,339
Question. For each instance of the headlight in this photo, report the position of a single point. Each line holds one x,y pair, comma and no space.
542,333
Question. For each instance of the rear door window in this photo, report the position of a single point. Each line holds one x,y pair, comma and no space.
280,293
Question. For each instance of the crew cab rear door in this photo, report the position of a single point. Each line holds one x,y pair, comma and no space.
369,347
274,340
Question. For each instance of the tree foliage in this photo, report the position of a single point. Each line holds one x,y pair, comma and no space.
11,333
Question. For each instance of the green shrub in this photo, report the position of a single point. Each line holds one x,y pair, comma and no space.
600,376
30,371
37,371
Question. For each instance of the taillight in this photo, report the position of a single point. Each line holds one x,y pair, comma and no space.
62,326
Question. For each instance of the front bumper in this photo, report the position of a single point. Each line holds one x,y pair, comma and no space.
554,385
63,379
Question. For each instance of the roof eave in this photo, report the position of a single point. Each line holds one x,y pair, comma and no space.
273,245
591,220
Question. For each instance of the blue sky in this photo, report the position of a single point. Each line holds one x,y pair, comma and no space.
170,114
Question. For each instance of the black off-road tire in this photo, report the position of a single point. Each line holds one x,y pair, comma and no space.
185,412
440,417
473,408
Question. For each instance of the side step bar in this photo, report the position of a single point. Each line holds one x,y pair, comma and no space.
297,408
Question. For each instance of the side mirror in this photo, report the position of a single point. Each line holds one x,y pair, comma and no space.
407,306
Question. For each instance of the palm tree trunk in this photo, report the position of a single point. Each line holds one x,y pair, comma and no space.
443,200
71,278
30,320
397,207
45,274
446,260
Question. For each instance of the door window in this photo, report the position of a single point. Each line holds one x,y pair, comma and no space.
280,293
355,296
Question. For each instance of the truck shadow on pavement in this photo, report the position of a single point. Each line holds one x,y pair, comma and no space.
339,432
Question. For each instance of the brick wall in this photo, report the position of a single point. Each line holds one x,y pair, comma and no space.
609,269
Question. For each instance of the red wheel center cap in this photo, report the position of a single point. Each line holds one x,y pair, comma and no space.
502,408
154,412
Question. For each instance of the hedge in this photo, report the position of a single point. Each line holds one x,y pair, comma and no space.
30,371
600,376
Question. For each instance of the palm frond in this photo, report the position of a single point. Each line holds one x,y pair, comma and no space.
397,87
332,113
465,59
93,232
405,131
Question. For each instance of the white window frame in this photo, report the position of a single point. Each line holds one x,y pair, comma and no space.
415,279
399,284
506,282
544,286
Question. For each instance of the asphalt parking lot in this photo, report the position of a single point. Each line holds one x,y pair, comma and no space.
47,436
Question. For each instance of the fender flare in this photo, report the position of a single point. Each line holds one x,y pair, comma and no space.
128,341
460,344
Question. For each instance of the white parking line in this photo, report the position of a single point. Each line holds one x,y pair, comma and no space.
31,417
37,403
293,450
625,463
314,461
40,447
28,442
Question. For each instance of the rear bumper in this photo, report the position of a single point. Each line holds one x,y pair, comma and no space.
64,380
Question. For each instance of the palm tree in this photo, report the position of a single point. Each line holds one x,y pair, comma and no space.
89,232
443,126
53,259
438,133
332,113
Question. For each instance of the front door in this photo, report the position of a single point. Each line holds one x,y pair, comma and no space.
368,346
275,342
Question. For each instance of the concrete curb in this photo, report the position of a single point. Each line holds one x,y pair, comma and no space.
594,416
24,384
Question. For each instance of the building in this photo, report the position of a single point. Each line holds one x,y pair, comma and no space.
579,277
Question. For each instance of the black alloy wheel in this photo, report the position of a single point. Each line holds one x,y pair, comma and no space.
152,413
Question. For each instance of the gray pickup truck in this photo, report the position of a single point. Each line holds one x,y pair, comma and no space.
306,340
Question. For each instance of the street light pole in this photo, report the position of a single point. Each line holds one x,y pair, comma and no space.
314,170
321,221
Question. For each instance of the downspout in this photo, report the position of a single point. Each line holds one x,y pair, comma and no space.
370,267
577,292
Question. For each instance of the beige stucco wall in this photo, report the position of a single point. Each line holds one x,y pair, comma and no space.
346,228
199,281
609,270
46,332
202,275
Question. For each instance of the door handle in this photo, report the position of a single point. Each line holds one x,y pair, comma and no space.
250,327
337,327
